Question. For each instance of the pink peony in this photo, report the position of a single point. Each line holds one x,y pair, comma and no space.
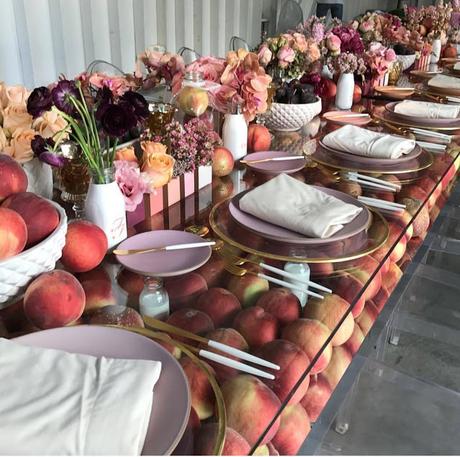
366,26
286,55
264,55
333,43
390,55
130,182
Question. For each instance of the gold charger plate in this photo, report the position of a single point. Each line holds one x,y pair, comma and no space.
426,73
224,228
398,93
388,119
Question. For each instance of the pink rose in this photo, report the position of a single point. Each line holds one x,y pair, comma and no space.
390,55
286,55
333,43
15,116
264,55
366,26
12,95
130,182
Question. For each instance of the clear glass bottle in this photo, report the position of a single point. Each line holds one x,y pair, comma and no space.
154,300
192,99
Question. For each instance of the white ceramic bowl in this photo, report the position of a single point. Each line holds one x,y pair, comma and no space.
406,61
16,272
284,117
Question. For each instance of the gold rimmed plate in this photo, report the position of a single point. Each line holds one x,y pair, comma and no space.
386,117
426,74
398,93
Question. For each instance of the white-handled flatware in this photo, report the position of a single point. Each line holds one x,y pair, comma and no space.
272,159
350,115
432,146
431,133
382,204
172,247
289,285
370,181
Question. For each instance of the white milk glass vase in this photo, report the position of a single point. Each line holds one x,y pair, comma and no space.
345,88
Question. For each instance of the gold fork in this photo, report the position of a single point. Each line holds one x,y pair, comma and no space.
238,261
238,271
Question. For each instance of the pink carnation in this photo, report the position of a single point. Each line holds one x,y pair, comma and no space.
286,55
130,182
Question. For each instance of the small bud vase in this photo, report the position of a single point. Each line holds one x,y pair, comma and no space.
436,50
105,206
345,89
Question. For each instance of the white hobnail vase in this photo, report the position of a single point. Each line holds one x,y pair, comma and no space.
345,89
105,207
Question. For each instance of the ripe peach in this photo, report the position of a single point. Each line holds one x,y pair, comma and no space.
321,270
230,337
348,287
317,396
381,195
294,429
248,289
191,320
200,388
280,303
13,178
340,360
40,216
222,188
356,339
293,363
402,220
219,304
348,187
213,271
256,325
357,94
422,221
392,277
98,289
310,335
251,406
13,233
222,162
116,315
54,299
428,184
235,444
417,193
132,283
184,290
330,311
368,317
381,298
365,268
259,138
171,348
92,238
379,255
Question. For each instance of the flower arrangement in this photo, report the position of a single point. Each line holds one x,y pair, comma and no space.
96,122
350,39
19,128
190,144
117,84
289,54
377,59
432,21
346,62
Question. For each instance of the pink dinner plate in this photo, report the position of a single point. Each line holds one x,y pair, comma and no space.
424,122
166,263
171,395
365,161
275,167
277,233
345,118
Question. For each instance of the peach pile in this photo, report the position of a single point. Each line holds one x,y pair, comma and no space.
248,289
13,178
256,325
235,444
184,290
282,304
98,289
191,320
116,315
219,304
13,233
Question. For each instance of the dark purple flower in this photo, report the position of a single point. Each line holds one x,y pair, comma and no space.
137,103
117,121
39,101
53,159
104,98
39,145
62,94
43,149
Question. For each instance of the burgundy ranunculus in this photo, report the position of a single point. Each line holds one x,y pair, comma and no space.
137,103
117,120
38,145
42,149
62,94
104,98
53,159
39,101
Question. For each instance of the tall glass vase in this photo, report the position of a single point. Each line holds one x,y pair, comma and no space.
345,89
105,206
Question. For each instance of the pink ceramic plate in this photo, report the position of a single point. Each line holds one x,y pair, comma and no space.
166,263
345,118
365,161
277,233
390,108
171,396
275,167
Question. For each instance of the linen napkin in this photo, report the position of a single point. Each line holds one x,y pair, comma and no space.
445,82
56,403
291,204
427,110
457,66
363,142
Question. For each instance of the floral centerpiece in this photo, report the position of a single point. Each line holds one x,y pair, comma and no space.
432,21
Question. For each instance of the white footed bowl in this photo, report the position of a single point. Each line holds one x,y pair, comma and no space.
406,61
16,272
284,117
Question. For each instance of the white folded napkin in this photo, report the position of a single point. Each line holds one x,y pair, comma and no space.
291,204
457,66
56,403
445,82
357,140
427,110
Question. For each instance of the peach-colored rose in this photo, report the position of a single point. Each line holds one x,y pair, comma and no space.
49,124
126,154
300,42
15,116
12,95
3,140
156,164
19,147
264,55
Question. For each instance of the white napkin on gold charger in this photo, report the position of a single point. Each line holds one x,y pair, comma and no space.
56,403
445,82
359,141
289,203
427,110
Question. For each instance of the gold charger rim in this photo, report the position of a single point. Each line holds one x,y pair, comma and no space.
376,216
413,124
